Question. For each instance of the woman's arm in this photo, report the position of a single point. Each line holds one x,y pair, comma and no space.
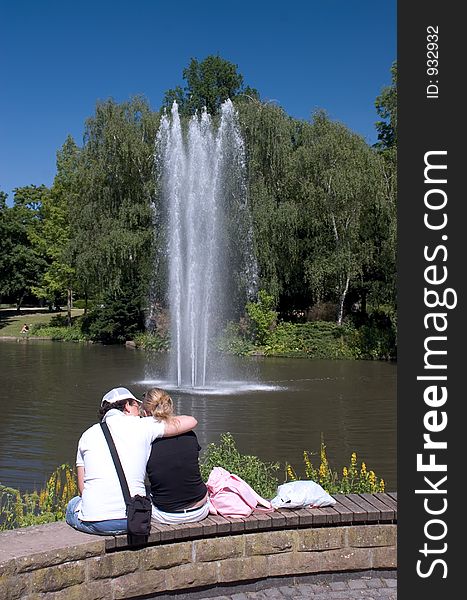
178,425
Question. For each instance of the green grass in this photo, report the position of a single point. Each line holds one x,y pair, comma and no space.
11,322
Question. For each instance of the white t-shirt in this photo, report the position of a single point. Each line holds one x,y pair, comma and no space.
102,497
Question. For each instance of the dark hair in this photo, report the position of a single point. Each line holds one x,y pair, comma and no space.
119,405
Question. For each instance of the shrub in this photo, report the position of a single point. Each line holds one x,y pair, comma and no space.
152,341
63,333
319,339
114,322
233,341
262,317
258,474
377,337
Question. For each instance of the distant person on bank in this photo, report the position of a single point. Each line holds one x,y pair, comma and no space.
100,508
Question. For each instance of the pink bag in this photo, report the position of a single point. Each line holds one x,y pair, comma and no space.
230,496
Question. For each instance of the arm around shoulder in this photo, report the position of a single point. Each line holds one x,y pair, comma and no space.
179,424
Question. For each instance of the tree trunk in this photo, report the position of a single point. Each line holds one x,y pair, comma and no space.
69,302
19,302
363,306
340,314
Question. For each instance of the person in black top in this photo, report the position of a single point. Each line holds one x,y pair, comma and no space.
178,492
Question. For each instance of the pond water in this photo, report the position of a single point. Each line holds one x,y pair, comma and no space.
274,407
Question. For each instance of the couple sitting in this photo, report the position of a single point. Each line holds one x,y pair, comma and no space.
149,439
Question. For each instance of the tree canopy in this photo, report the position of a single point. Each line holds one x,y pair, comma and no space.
322,204
111,205
386,107
209,83
21,264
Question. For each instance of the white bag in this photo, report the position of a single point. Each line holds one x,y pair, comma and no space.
301,494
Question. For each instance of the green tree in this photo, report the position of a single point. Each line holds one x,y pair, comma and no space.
21,265
209,83
378,234
384,284
268,133
382,277
4,236
343,178
53,236
111,212
386,107
323,211
322,202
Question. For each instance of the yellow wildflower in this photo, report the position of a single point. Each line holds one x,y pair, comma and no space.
42,498
290,472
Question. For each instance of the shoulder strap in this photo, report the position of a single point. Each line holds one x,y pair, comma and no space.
117,463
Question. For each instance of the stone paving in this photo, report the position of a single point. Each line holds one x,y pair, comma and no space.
367,585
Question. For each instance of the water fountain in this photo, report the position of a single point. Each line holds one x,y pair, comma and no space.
203,191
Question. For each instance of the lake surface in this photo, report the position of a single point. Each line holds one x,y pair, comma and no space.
275,407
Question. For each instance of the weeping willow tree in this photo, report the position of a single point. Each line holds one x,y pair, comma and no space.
268,134
112,238
323,219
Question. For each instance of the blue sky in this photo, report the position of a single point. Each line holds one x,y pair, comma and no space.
58,57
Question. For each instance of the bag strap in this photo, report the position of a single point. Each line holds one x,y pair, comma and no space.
117,463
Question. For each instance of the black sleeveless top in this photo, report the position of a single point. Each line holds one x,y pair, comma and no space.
173,472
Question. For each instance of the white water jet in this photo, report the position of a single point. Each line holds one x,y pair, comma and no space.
203,192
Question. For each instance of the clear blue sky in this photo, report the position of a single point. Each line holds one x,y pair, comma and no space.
58,57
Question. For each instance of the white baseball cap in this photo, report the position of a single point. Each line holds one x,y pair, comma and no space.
119,393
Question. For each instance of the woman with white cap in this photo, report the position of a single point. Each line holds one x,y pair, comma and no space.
100,509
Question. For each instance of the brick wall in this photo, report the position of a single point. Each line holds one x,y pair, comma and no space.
55,562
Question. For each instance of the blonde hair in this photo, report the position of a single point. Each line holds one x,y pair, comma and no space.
158,404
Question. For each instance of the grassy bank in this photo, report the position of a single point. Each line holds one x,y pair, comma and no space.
260,334
11,322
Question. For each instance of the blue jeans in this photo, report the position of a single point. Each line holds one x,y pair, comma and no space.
108,527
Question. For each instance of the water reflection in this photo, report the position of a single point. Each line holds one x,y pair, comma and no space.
275,408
